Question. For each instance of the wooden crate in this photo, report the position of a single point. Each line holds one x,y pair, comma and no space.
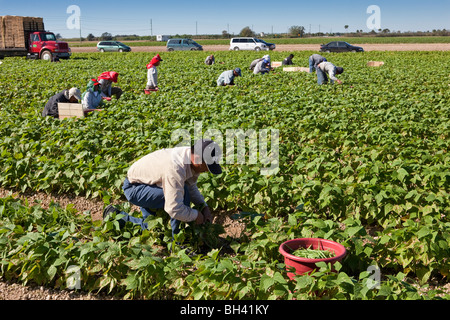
70,110
296,69
375,63
276,64
15,29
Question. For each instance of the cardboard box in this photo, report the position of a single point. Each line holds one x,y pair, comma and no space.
276,64
296,69
375,63
69,110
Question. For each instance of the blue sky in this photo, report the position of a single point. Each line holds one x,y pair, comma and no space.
212,17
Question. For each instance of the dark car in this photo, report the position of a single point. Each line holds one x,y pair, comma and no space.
339,46
271,46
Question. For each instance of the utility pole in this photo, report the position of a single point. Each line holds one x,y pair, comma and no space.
195,27
151,27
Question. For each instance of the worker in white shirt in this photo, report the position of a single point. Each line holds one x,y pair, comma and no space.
152,73
262,67
210,60
226,78
167,179
325,69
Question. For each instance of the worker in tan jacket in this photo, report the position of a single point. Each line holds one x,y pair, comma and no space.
167,179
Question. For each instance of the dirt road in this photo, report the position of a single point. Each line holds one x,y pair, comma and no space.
303,47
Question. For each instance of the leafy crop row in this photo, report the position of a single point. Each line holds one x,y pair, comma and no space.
369,163
42,246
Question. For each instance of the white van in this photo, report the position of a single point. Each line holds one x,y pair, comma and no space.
249,43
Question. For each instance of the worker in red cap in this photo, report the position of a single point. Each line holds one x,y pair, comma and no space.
105,80
152,73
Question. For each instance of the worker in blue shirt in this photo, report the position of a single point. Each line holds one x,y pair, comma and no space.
227,77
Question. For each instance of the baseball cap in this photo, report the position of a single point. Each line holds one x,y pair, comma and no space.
211,153
238,71
75,92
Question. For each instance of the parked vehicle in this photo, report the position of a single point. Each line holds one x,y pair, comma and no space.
271,46
112,46
183,45
249,43
339,46
161,37
26,36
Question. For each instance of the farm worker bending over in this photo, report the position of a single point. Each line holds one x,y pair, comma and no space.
167,179
325,68
106,79
314,60
255,62
65,96
210,60
227,77
262,67
92,97
152,73
288,61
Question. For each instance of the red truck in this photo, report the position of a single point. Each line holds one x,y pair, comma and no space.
26,36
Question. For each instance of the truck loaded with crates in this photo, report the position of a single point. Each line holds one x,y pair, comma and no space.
26,36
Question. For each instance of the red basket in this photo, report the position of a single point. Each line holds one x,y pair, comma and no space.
304,265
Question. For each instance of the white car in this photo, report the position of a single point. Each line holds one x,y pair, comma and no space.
249,43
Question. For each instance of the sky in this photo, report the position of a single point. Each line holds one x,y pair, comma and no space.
170,17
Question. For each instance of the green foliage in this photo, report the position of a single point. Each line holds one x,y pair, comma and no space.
40,246
309,253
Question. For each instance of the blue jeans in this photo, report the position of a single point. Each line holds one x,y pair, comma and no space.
311,65
149,198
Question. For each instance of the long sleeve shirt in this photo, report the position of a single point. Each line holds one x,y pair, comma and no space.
287,62
328,68
226,78
152,77
254,63
170,170
316,59
51,108
261,67
209,60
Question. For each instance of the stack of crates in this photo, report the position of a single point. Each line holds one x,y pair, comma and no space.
14,30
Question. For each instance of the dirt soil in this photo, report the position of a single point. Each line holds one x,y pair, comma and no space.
303,47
